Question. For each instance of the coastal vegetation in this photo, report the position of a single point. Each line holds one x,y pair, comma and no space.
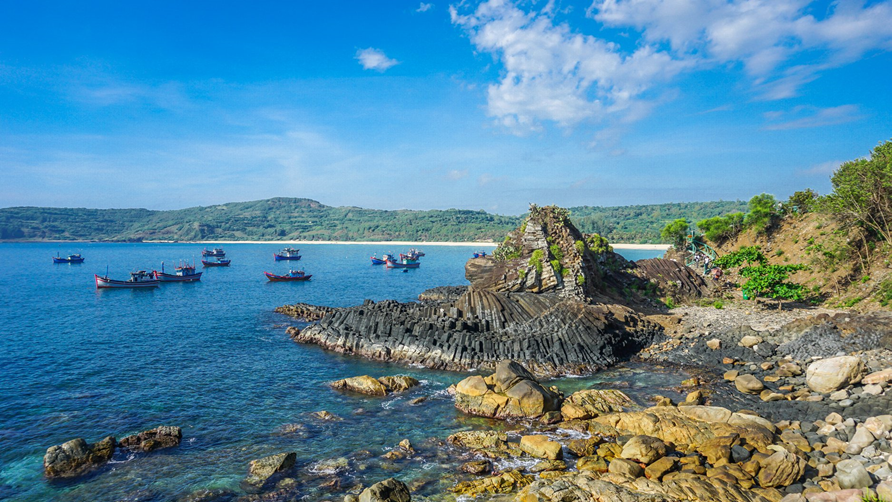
305,219
845,238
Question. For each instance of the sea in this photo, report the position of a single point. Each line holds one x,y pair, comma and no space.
213,358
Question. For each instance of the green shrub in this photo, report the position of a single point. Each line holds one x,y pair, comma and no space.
669,302
719,228
556,252
556,265
718,304
580,247
884,295
580,279
762,212
536,260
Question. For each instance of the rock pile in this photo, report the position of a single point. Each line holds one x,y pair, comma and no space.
510,392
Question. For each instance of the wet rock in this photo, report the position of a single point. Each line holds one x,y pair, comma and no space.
327,416
398,383
208,495
644,449
584,447
832,374
389,490
505,483
589,403
153,439
261,470
549,465
510,392
479,440
851,474
477,467
361,384
541,447
76,457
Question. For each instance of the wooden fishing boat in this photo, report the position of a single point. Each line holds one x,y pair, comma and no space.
378,261
72,258
218,262
480,254
402,263
292,275
183,273
288,254
140,279
216,252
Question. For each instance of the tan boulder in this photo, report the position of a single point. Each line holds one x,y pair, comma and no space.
504,483
594,463
748,384
749,341
878,377
260,470
659,468
398,383
834,373
781,468
361,384
541,447
625,467
644,449
589,403
511,392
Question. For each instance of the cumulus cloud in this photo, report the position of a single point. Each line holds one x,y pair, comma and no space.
765,36
424,7
374,59
551,73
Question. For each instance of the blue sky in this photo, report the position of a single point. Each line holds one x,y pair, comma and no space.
434,105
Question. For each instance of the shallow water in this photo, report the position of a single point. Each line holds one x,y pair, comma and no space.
212,358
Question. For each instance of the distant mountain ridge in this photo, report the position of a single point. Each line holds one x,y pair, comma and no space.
284,218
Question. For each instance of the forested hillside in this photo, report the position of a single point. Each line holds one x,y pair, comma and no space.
305,219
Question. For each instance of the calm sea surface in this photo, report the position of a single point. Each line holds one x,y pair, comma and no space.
213,358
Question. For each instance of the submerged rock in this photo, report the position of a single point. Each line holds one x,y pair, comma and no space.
76,457
261,470
376,386
389,490
153,439
510,392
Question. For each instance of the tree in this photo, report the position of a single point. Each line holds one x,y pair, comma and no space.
763,279
719,228
676,233
762,212
800,202
862,192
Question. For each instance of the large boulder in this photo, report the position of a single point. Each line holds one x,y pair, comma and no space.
76,457
389,490
851,474
834,373
260,470
781,468
510,392
589,403
644,449
541,447
164,436
361,384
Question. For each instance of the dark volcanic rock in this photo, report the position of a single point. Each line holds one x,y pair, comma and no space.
153,439
673,278
546,333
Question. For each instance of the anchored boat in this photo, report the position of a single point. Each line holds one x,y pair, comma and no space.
288,254
402,263
292,275
217,262
72,258
216,252
139,279
183,273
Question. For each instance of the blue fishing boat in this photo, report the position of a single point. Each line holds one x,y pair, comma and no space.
72,258
137,280
480,254
383,259
402,263
218,262
292,275
183,273
288,254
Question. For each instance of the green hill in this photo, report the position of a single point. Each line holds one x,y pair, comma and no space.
304,219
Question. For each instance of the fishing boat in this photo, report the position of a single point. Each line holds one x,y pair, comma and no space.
217,262
139,279
480,254
417,253
402,263
288,254
292,275
383,259
182,273
72,258
215,253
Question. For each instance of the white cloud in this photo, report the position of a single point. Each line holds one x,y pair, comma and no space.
764,35
802,117
424,7
457,174
822,169
374,59
551,73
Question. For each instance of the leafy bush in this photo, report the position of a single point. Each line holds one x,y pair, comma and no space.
580,279
580,247
556,265
800,202
556,252
862,192
884,294
598,244
762,212
536,260
719,228
771,281
748,255
676,233
719,305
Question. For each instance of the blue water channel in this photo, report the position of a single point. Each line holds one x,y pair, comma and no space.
213,358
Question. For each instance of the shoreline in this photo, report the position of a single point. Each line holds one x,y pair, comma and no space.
647,247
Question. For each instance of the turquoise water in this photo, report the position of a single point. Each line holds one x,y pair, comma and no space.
212,358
